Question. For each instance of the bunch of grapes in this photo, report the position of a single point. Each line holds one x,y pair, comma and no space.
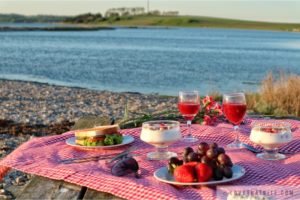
210,154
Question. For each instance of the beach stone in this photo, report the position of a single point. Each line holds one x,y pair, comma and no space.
44,188
3,196
21,180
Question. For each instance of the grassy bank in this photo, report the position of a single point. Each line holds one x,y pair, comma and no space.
180,21
151,20
57,28
277,96
16,18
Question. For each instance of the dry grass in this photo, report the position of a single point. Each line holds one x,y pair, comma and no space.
278,96
217,96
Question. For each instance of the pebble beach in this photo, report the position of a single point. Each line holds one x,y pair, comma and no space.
56,108
38,103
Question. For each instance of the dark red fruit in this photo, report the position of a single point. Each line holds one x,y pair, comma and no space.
201,152
213,164
227,172
173,163
230,164
213,146
185,173
218,174
187,150
174,160
203,172
199,157
203,146
180,162
211,153
193,164
224,159
221,150
205,160
192,157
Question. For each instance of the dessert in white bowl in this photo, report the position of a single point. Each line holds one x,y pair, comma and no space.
271,135
160,134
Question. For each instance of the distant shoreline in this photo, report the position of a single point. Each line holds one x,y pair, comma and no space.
87,27
74,87
182,21
88,23
59,28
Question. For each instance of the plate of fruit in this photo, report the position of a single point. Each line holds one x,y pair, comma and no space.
208,165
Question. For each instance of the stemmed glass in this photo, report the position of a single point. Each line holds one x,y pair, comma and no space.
160,134
234,108
271,135
189,105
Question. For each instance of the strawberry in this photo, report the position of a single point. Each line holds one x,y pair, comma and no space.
193,164
185,173
203,172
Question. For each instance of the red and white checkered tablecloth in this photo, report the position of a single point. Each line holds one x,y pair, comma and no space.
42,156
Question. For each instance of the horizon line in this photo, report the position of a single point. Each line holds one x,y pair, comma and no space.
183,15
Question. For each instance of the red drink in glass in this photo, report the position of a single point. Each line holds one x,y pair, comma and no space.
188,106
234,112
234,108
188,109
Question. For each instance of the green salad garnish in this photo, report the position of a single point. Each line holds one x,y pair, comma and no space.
94,143
113,139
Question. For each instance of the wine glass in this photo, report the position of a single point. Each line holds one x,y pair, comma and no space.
160,134
234,108
189,105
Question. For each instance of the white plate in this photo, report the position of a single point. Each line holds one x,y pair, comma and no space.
127,139
163,175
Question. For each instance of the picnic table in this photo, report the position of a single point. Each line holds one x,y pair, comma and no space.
93,180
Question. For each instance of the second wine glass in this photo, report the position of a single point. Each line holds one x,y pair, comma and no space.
189,105
234,108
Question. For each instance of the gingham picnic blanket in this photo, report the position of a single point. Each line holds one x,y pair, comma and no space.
42,156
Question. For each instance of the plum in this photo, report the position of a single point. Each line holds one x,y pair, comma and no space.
125,166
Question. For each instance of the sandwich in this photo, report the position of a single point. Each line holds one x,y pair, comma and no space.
99,136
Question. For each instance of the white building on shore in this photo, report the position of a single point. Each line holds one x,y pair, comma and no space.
170,13
125,11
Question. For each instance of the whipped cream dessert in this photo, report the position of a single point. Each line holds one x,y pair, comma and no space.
271,136
160,134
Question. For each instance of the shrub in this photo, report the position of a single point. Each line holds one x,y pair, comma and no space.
278,96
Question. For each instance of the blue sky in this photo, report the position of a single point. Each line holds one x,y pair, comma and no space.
261,10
